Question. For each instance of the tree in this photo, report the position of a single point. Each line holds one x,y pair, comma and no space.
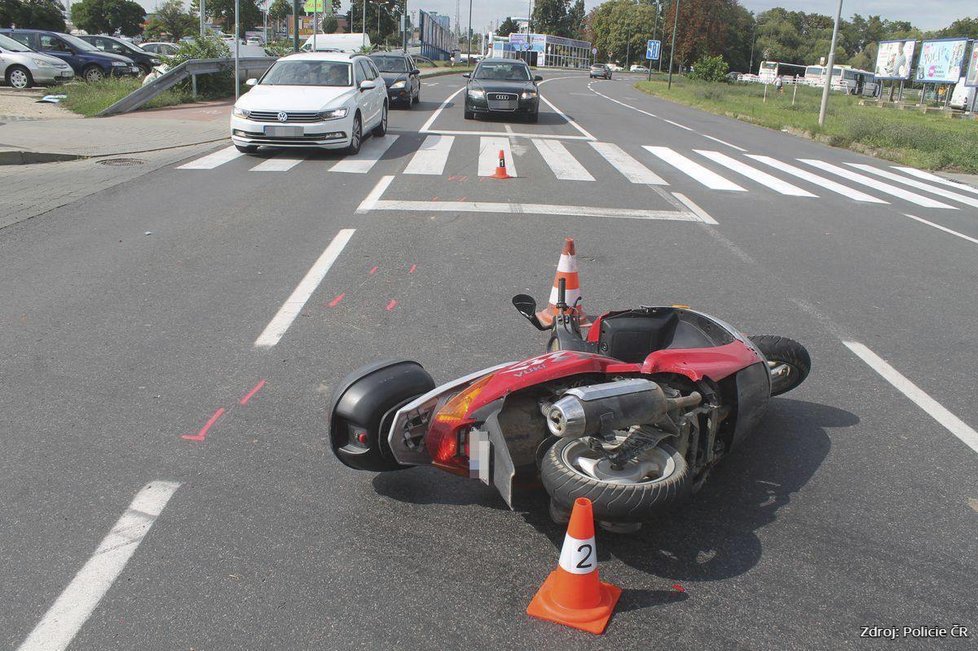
621,28
222,11
171,20
575,20
278,11
550,17
389,25
41,14
964,27
107,16
330,24
508,27
10,11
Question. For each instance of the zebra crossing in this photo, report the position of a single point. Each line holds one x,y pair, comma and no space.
654,165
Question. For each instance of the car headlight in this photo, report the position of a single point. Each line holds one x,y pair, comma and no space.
240,112
155,61
528,94
119,64
41,63
334,114
398,84
477,93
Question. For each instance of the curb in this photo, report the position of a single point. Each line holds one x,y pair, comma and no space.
18,157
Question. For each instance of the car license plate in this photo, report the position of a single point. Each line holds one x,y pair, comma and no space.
283,132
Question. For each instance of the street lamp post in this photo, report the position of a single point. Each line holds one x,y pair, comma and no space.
831,63
753,40
363,40
672,50
468,37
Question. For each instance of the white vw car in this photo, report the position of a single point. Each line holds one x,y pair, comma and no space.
320,99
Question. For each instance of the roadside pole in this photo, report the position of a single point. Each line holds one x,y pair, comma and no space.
295,25
794,93
203,13
468,37
404,26
237,40
672,50
363,25
829,66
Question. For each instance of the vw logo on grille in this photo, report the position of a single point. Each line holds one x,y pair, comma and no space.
283,116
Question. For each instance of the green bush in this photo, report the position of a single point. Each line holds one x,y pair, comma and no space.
710,69
218,84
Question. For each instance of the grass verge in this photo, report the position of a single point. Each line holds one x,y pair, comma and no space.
927,141
90,99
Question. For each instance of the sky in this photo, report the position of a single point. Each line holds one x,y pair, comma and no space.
938,13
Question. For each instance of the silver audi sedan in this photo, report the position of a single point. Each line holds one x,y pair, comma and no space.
22,67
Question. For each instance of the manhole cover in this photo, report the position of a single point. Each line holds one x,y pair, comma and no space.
121,162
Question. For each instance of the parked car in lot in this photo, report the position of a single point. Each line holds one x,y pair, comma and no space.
638,68
502,86
600,70
401,75
22,67
145,60
166,49
317,99
84,58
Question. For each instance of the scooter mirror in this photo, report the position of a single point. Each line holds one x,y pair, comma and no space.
526,306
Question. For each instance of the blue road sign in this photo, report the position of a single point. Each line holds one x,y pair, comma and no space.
652,50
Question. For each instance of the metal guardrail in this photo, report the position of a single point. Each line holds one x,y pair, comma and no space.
247,67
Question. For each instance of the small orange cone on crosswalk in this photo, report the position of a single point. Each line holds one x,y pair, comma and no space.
572,595
500,172
566,269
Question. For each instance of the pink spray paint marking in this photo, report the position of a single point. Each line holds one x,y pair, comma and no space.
391,305
202,434
248,396
373,271
336,301
413,267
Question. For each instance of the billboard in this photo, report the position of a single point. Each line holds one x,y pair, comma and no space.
436,41
895,59
940,60
972,78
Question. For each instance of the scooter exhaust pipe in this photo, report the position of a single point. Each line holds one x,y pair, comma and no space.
590,410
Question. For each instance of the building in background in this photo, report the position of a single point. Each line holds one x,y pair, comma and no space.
541,50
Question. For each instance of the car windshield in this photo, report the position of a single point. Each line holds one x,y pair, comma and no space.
309,73
77,43
503,71
390,64
11,45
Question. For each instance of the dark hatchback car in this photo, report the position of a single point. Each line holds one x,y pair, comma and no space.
502,87
145,60
401,75
85,59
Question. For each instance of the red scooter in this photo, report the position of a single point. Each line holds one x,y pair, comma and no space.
633,414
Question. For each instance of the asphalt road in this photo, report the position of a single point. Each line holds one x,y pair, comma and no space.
130,320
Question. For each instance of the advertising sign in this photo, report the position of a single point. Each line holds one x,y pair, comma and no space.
940,61
895,59
972,78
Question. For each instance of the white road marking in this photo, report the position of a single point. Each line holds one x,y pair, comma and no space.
535,209
372,151
633,170
282,163
489,155
695,170
941,192
676,124
763,178
942,228
569,119
886,188
695,209
612,99
815,179
430,83
565,167
368,203
432,156
211,161
724,142
933,408
434,116
293,305
74,606
927,176
548,136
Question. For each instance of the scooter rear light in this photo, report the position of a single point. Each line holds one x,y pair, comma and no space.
446,441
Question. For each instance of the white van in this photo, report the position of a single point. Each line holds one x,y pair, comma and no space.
963,96
348,43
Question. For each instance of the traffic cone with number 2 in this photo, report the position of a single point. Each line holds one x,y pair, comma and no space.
572,595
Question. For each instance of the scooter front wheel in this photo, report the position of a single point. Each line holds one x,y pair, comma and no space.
787,360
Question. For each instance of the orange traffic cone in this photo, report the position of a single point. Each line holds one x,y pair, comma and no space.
566,269
572,595
501,168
